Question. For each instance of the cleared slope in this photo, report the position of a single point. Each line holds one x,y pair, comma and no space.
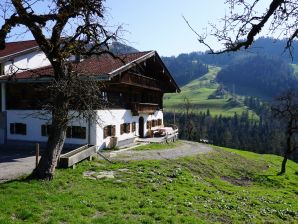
198,92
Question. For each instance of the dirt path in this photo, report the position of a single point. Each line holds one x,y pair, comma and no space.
185,149
15,161
16,168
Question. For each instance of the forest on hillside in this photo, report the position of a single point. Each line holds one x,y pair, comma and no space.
267,76
265,135
185,67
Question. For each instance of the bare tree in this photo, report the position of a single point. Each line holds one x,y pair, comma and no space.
287,111
188,112
246,19
64,29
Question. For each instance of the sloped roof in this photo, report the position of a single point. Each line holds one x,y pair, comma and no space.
103,67
99,66
13,48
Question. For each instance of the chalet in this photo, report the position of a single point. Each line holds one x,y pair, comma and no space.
135,86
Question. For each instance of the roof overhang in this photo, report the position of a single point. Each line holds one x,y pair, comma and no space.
49,79
12,56
142,59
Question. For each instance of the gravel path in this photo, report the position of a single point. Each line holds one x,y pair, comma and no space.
17,168
187,148
15,161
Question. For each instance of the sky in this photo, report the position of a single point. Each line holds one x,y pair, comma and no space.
158,24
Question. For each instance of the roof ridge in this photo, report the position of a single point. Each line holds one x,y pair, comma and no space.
138,52
22,41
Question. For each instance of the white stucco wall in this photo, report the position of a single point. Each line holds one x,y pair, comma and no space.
33,123
118,117
31,60
107,117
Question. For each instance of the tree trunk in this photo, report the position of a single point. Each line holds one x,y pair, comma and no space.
48,162
283,165
288,150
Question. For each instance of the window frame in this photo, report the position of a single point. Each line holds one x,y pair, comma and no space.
71,131
45,129
125,128
109,131
18,128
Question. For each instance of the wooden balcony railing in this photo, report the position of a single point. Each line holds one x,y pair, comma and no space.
143,108
140,80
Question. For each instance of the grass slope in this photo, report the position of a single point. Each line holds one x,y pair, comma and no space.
198,91
225,186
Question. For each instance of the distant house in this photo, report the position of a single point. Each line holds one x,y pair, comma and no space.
135,87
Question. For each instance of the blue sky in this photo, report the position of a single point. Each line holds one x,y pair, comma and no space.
158,24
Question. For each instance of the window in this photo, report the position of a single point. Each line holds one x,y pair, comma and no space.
45,129
18,128
109,130
125,128
133,126
154,123
76,132
159,122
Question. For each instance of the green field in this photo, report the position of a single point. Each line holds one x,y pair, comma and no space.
198,91
224,186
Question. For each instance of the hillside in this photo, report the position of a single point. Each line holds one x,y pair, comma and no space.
264,71
224,186
258,75
120,48
185,67
267,47
199,93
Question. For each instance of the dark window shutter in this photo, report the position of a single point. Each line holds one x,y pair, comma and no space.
43,130
159,121
113,130
105,131
121,129
128,128
133,126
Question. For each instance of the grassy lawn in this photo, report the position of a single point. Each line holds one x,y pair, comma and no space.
197,92
226,185
158,146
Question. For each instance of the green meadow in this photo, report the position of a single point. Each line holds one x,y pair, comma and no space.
224,186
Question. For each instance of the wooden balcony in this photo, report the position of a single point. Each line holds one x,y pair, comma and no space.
143,108
138,80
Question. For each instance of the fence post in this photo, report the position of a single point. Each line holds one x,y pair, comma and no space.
36,154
